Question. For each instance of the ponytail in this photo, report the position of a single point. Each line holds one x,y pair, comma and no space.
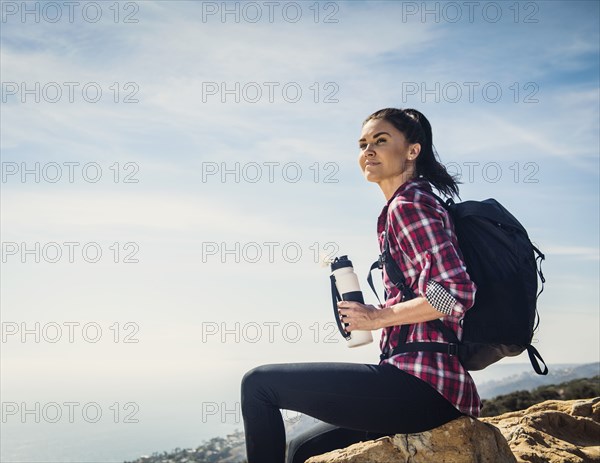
416,129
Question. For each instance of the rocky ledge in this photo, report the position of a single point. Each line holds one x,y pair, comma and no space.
554,431
550,432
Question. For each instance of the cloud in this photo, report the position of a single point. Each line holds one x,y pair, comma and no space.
159,213
580,252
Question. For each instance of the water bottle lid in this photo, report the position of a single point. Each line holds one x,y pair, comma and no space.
340,262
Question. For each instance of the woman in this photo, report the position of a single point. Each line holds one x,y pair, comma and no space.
406,393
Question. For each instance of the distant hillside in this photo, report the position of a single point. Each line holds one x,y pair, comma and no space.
582,388
230,449
530,380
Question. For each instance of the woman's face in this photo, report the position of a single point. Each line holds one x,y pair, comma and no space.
385,155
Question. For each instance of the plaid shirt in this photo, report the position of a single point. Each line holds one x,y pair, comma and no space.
423,243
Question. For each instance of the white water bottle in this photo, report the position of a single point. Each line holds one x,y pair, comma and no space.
344,286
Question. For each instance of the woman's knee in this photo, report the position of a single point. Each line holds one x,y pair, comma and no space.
254,379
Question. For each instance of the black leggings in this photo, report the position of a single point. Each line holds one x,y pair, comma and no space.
360,402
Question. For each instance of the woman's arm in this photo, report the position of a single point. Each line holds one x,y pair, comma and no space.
368,317
420,231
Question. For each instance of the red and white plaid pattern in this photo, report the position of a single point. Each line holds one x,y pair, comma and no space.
423,242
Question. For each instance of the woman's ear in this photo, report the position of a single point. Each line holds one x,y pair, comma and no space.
413,151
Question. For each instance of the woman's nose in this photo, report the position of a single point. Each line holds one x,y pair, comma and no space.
369,150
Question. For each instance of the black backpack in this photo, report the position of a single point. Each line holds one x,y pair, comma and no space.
502,262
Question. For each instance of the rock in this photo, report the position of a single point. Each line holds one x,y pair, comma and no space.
554,431
464,440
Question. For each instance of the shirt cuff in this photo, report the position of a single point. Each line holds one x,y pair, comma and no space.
439,298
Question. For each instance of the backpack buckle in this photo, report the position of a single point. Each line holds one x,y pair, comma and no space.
384,356
452,349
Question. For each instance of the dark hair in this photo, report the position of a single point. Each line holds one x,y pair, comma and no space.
416,129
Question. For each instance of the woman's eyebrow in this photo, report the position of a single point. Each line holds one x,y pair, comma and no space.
376,135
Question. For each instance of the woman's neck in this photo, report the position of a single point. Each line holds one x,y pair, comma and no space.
391,185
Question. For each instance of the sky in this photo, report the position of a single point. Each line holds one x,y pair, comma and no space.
173,172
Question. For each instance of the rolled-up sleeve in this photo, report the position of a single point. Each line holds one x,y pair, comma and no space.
424,235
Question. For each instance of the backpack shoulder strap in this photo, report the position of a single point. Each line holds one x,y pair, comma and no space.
377,264
393,271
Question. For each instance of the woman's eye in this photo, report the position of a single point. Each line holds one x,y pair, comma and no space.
362,146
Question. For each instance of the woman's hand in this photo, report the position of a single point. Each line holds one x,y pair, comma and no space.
359,316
